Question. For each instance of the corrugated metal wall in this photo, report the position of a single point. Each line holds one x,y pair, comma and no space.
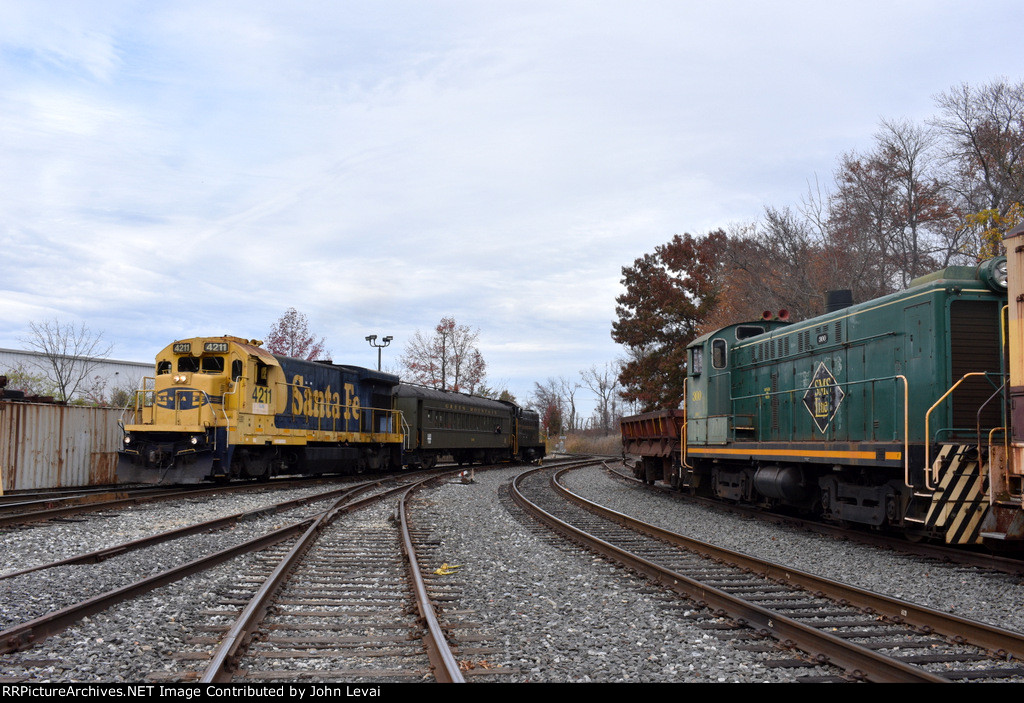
52,446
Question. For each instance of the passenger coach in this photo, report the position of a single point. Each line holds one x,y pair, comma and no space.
467,428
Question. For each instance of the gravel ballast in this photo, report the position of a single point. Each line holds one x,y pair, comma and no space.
550,613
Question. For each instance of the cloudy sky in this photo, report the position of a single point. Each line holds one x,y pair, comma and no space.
173,169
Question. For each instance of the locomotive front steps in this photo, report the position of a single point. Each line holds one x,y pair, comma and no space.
1004,522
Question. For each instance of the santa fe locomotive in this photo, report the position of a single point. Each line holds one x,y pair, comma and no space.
221,408
903,413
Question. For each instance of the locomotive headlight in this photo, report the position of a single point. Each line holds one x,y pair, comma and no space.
194,440
127,439
993,273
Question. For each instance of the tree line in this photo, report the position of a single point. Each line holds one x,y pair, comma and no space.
922,197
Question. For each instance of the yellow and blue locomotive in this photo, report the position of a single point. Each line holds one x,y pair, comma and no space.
223,407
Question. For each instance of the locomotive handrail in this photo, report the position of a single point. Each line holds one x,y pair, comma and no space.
906,429
928,469
997,482
198,409
999,392
906,411
760,396
135,399
362,416
686,421
236,386
406,433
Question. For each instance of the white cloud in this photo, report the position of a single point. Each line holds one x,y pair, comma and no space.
198,167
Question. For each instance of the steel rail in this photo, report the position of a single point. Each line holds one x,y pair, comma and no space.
210,525
226,658
859,661
29,633
446,668
993,638
228,654
128,496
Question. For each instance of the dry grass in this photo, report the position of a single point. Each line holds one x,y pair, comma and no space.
594,444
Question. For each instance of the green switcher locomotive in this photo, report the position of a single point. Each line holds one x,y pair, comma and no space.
883,414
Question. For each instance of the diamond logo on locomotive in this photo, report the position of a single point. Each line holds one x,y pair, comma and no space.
823,397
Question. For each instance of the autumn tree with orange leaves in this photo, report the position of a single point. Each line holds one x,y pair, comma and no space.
668,295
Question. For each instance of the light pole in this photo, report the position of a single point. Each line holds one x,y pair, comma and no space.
372,339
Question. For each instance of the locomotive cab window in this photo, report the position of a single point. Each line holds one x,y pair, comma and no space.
236,369
747,331
696,361
188,364
262,373
163,367
718,353
213,364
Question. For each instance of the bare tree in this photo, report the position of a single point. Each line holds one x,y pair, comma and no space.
549,403
449,359
604,383
567,390
67,354
984,138
925,216
290,336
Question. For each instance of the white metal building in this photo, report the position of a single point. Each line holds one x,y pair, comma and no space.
110,373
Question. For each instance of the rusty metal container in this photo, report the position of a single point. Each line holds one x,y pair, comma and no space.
52,446
652,434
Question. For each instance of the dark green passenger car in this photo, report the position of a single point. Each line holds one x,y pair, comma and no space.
468,429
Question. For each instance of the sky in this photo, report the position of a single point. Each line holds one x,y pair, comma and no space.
190,168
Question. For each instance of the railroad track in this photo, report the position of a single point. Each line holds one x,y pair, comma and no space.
980,558
300,591
867,636
30,508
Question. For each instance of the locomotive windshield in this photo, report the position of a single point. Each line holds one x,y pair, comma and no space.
203,364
